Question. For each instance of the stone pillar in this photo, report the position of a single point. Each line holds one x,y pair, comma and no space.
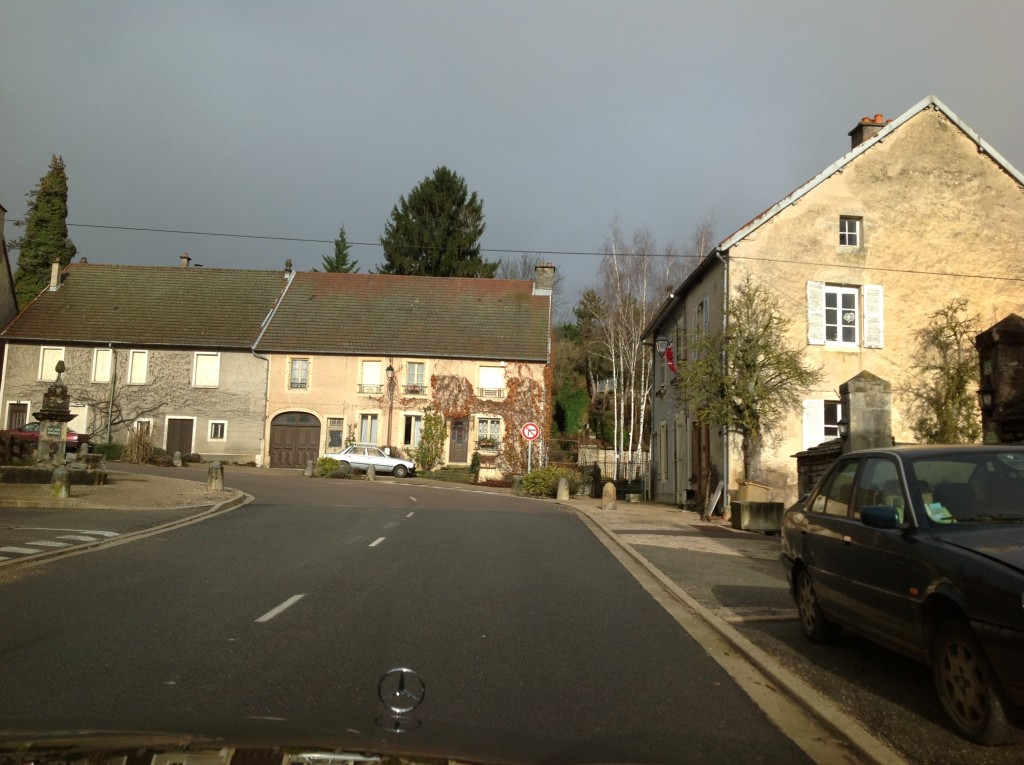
60,482
371,473
517,485
866,401
308,471
608,497
177,459
215,477
563,489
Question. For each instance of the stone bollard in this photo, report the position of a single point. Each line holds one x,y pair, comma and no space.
371,473
215,477
60,482
517,485
608,497
177,459
563,489
309,469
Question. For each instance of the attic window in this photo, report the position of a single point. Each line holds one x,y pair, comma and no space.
849,232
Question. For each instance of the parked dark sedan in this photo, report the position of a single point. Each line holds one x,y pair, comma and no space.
921,549
30,432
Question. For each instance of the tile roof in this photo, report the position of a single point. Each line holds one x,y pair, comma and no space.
151,305
410,316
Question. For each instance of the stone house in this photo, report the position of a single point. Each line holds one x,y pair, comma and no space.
361,358
166,349
278,368
919,211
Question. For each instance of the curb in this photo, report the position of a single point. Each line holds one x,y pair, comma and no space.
225,506
814,703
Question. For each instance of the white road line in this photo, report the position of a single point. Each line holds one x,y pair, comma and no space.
47,543
20,550
409,515
377,542
78,537
275,611
77,531
414,499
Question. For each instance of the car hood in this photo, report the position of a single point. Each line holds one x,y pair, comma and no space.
998,541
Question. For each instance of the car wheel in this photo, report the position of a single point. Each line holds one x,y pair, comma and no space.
344,467
966,685
816,627
400,471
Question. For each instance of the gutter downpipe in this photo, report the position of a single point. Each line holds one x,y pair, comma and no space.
113,377
726,506
266,388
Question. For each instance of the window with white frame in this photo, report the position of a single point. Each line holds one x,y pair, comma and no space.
298,374
833,413
844,316
144,425
218,430
849,232
492,382
48,358
820,421
413,430
371,380
101,360
488,429
367,428
336,433
206,370
415,377
138,364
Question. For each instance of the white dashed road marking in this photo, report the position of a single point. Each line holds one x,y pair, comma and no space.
275,611
377,542
19,550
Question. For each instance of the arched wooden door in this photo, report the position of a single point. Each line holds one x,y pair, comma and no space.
294,440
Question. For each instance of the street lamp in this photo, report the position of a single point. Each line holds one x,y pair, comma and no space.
390,372
987,397
661,344
844,428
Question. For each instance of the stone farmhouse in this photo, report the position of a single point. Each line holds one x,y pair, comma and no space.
919,210
276,367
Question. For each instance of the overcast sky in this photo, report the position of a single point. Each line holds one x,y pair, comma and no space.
291,119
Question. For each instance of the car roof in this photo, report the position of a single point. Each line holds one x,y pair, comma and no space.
939,450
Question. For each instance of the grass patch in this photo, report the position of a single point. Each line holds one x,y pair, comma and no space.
451,474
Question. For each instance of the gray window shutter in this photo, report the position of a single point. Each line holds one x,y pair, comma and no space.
873,326
814,422
815,313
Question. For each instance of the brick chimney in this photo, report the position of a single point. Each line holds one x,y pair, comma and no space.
867,128
544,279
185,260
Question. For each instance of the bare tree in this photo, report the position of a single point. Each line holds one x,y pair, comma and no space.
524,267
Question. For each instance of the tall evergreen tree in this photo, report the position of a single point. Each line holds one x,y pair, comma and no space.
338,263
436,230
46,233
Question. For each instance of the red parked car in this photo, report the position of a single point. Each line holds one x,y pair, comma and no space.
30,432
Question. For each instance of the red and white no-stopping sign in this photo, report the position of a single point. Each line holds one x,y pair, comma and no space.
530,431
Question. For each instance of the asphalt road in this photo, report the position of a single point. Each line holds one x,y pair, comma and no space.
274,623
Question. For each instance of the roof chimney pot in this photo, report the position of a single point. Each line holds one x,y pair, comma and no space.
55,275
867,128
185,260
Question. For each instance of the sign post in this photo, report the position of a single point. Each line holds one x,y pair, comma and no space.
530,432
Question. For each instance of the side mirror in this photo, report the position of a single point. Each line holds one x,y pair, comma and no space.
880,517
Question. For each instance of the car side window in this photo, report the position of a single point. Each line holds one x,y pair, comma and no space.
879,484
834,497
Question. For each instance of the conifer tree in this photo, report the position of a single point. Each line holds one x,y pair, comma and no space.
46,233
436,230
338,263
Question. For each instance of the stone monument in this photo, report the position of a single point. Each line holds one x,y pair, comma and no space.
53,420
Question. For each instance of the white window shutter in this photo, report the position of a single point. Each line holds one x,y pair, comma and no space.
815,313
814,422
873,325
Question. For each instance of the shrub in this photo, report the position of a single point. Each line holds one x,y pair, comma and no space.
543,482
474,466
111,452
140,446
193,457
326,466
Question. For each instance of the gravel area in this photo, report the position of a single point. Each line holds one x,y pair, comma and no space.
124,491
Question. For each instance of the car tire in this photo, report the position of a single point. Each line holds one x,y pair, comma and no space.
344,467
400,471
967,686
815,626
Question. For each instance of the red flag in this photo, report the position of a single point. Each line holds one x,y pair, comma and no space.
670,358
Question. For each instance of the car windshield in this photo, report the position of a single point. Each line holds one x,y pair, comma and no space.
971,487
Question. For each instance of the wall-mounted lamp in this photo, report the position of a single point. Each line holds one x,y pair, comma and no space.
661,344
987,397
844,428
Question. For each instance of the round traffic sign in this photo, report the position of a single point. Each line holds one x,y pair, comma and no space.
530,431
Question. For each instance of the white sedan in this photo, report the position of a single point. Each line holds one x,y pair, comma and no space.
360,457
